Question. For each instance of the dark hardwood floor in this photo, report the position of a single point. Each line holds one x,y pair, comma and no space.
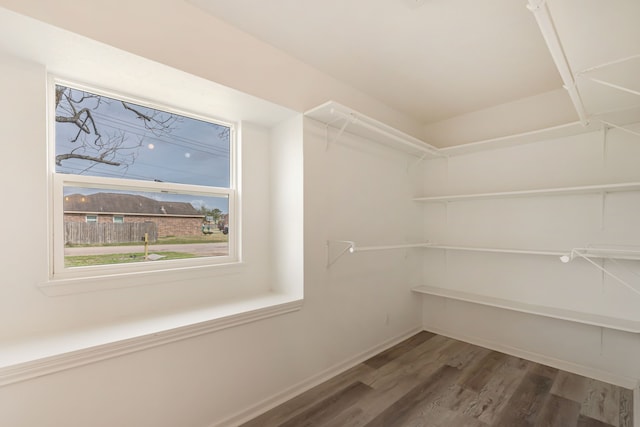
431,380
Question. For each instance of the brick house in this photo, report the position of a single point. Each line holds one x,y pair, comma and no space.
170,218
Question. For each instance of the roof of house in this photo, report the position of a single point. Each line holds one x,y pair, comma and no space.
126,204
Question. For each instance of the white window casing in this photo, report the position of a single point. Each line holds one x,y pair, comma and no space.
98,276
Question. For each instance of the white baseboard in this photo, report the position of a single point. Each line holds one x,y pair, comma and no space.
587,371
293,391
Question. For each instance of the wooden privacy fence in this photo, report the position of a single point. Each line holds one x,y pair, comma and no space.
82,233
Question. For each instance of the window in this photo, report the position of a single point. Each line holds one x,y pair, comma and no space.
171,174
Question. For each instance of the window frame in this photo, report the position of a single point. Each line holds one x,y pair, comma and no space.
117,219
94,219
57,182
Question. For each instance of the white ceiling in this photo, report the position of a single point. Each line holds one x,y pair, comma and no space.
437,59
72,58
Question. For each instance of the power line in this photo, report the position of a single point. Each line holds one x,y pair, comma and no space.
137,128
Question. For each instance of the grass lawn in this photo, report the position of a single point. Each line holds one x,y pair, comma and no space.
88,260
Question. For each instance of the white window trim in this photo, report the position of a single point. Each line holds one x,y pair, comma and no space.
120,219
86,218
64,281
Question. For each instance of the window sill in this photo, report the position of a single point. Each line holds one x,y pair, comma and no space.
76,285
47,355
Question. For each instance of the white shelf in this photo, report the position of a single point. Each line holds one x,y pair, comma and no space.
554,132
589,189
606,119
609,322
342,118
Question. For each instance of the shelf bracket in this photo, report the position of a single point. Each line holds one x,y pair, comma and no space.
610,125
338,135
410,166
579,253
603,209
348,246
605,131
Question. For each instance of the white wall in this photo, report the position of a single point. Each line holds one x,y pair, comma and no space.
556,223
25,176
359,191
286,163
359,306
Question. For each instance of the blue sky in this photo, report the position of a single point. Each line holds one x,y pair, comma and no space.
190,152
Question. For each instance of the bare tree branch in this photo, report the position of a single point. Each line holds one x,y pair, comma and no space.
61,157
77,108
138,113
155,122
82,125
